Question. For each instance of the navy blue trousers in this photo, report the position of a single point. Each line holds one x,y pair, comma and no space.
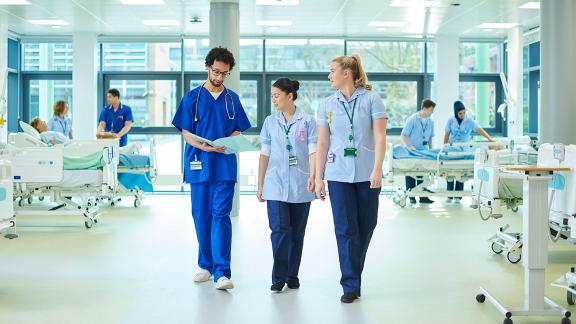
288,224
355,212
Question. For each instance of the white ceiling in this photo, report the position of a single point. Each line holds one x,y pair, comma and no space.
348,18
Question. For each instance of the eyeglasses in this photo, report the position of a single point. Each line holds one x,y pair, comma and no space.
224,74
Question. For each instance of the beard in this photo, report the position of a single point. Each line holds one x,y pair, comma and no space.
215,83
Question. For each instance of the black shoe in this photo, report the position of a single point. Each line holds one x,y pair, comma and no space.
348,298
412,200
277,286
293,283
426,200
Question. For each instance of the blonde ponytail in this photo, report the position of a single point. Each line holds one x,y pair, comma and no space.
354,63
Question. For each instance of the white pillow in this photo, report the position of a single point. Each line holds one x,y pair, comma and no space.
30,130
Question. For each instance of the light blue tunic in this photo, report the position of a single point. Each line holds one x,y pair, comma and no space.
62,125
332,113
419,131
284,182
460,133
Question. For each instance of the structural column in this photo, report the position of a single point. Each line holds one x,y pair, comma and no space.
225,32
557,71
515,79
84,86
3,77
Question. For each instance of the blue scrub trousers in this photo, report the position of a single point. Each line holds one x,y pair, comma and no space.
355,212
454,186
211,207
288,224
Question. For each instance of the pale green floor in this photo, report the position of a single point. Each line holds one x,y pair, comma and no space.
424,266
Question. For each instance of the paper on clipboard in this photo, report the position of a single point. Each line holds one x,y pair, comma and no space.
233,144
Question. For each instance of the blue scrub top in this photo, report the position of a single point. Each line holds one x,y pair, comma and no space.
61,125
284,182
115,120
331,113
460,133
419,131
213,122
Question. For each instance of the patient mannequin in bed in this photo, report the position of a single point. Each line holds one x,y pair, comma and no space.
48,137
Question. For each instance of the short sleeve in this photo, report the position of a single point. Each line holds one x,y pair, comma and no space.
377,109
447,128
312,131
102,117
475,125
433,132
183,118
265,138
51,125
407,130
242,122
321,115
128,115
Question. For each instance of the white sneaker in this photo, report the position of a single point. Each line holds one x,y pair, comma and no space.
202,276
224,283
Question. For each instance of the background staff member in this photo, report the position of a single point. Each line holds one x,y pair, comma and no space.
286,180
351,148
60,122
212,111
459,129
417,134
115,119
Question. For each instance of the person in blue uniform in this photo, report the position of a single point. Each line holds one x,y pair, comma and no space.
286,180
350,152
60,121
115,118
459,129
417,134
212,111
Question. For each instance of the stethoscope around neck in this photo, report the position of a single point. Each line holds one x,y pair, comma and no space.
227,94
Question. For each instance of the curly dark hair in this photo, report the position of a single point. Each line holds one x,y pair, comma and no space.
220,54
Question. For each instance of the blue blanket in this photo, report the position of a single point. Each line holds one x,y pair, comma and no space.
132,181
401,152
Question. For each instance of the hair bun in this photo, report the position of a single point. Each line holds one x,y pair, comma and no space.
295,85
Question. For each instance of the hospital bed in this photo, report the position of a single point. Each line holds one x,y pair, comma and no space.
76,177
452,162
495,189
7,218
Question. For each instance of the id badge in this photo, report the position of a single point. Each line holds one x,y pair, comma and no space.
195,165
292,160
331,157
350,151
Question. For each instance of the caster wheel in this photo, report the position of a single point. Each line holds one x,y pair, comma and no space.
89,204
112,204
29,200
497,248
480,298
41,198
515,209
95,220
137,203
89,223
402,203
20,202
570,296
514,256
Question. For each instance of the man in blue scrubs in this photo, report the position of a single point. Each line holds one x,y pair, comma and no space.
212,111
115,119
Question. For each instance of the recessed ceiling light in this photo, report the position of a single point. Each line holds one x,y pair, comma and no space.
142,2
496,25
161,22
13,2
530,5
382,28
56,27
488,29
164,27
274,22
277,2
53,22
412,3
273,28
386,24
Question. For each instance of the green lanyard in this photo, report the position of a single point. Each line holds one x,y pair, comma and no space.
351,119
287,131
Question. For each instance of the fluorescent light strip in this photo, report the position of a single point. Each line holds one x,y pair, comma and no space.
56,22
161,22
142,2
497,25
274,22
277,2
531,5
412,3
386,24
13,2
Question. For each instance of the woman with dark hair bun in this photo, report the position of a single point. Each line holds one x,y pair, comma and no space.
286,180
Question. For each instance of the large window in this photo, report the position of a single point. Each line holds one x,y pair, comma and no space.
43,94
47,56
306,55
310,94
195,51
251,55
400,99
394,57
480,101
480,57
142,56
